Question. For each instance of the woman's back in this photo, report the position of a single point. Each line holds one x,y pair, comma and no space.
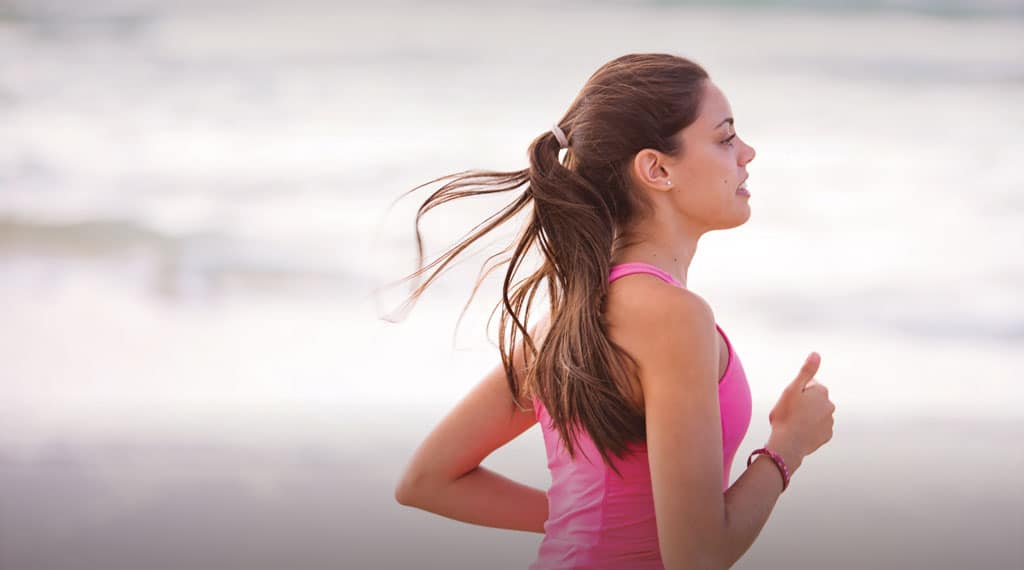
599,520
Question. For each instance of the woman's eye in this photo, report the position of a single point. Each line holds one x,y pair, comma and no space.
728,141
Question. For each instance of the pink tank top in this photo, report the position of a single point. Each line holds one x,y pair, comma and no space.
597,520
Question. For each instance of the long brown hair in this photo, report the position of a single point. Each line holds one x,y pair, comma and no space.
583,206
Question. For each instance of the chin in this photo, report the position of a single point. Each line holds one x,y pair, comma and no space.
742,219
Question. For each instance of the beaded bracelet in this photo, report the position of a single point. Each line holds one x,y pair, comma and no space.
778,463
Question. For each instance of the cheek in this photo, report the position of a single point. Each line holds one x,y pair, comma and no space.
712,168
726,176
717,175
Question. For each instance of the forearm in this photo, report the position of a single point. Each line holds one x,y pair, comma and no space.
486,498
750,500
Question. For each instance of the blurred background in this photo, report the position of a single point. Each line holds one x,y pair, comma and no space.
196,247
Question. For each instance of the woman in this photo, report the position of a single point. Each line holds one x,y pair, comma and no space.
641,398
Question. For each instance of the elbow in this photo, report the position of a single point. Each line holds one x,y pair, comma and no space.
697,554
406,490
712,563
416,486
402,495
698,563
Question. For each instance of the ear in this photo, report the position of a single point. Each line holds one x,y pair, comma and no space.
649,170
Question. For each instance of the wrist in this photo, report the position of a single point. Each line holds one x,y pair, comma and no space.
787,451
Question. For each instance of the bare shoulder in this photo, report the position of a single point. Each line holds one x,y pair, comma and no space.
654,321
636,303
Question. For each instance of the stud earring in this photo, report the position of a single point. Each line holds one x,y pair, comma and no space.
669,182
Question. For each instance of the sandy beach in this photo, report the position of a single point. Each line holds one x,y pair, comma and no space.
894,495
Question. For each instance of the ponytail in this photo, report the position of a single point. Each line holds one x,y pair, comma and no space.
582,209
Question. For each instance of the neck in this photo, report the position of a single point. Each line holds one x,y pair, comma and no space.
670,251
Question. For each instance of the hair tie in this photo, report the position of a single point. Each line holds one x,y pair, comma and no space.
563,142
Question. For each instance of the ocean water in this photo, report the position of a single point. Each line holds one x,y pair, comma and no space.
196,238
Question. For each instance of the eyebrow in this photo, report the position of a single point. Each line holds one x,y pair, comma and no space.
728,120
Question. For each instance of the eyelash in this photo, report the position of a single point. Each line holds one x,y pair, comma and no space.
728,141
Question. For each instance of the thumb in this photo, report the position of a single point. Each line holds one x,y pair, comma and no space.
807,372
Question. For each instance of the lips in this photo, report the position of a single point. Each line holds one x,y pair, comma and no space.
742,190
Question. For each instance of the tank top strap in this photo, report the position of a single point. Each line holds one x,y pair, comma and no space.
623,269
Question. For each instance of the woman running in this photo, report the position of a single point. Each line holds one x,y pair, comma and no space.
641,396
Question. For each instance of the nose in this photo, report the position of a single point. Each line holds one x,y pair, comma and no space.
749,154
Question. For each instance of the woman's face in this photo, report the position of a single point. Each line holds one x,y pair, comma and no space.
708,174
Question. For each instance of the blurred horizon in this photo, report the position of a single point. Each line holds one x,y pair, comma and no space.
196,238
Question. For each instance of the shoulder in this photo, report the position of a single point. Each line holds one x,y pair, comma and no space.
669,331
638,302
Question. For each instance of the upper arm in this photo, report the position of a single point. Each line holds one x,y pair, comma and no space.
678,372
484,420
